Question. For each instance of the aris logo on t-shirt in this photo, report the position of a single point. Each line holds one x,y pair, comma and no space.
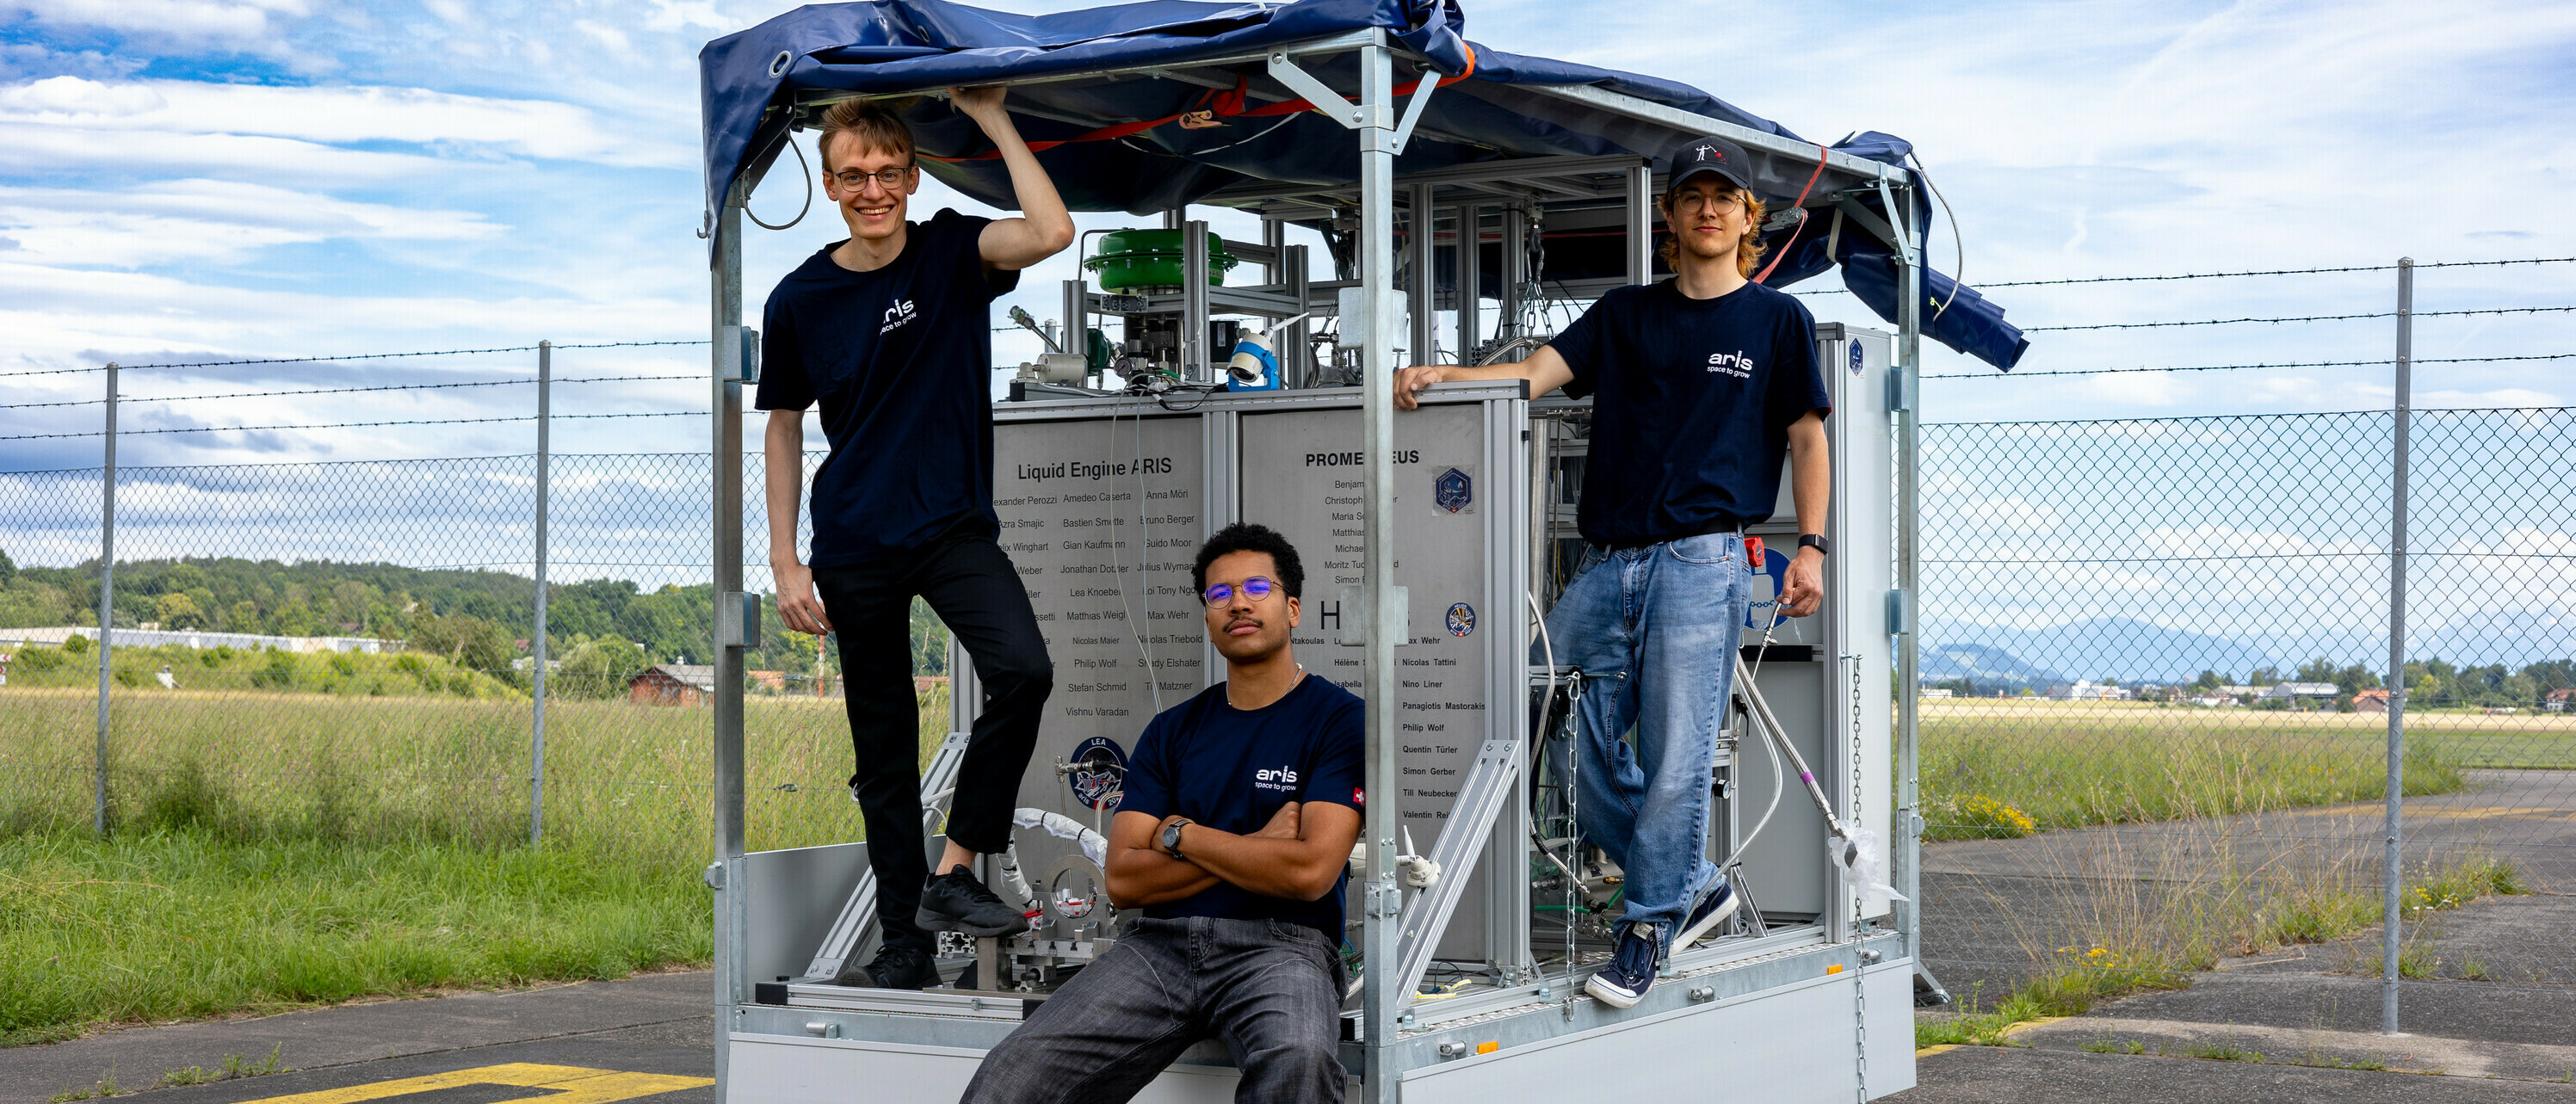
896,315
1282,778
1735,364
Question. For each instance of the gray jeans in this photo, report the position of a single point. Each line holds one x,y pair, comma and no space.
1271,990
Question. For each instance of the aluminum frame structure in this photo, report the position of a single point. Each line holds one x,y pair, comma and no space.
1396,1047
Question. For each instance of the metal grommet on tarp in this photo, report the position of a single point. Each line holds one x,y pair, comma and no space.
778,65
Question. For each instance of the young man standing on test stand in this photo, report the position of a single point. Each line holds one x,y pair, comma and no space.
1700,383
891,332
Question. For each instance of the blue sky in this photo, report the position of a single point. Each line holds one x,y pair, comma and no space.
203,179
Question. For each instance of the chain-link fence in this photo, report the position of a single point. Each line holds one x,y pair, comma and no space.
2153,704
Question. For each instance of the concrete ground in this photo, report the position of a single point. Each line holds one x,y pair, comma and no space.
2297,1025
2493,1017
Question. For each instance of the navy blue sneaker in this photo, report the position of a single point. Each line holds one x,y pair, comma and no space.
1631,970
1713,909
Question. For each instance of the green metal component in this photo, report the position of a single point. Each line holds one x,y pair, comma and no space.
1151,258
1096,350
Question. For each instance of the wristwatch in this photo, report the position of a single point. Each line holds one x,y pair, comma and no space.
1172,838
1820,544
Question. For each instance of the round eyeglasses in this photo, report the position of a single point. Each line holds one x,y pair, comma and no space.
1255,588
855,180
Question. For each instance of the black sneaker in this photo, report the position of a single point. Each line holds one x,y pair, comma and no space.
958,901
1631,970
1714,907
894,968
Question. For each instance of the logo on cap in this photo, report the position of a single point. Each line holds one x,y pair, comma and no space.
1706,152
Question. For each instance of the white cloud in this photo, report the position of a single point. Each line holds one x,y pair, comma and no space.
213,220
333,114
175,19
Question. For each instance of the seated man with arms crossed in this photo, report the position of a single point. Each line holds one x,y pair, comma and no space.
1238,816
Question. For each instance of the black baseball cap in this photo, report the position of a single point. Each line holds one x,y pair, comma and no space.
1708,155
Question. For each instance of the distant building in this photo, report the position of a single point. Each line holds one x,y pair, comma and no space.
2555,701
2214,701
1935,692
2087,690
2303,690
2370,701
672,684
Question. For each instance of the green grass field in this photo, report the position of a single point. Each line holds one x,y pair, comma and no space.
2068,764
274,848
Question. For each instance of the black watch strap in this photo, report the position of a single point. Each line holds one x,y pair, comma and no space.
1820,544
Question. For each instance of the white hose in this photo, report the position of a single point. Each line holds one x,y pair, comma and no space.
1095,846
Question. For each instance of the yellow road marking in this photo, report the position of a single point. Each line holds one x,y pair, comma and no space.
2009,1030
564,1085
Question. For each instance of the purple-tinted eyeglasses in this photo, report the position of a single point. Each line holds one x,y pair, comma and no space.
1255,588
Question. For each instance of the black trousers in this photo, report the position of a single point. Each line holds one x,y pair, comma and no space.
969,582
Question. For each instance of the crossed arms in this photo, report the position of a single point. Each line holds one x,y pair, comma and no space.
1297,856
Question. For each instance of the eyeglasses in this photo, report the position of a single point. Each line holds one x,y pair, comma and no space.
1255,588
855,180
1692,201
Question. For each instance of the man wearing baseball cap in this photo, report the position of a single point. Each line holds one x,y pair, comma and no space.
1700,383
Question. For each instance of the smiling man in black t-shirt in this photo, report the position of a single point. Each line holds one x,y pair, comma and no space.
1700,383
1233,831
891,332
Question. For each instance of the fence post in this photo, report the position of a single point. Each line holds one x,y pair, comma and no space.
106,599
2390,873
537,646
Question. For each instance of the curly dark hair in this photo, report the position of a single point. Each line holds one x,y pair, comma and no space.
1247,537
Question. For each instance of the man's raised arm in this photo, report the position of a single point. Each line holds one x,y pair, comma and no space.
1545,371
1044,227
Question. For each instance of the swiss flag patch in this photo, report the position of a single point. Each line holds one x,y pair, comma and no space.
1359,796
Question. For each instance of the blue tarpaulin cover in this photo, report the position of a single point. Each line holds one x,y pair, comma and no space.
749,79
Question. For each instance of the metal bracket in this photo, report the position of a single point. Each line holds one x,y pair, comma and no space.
1429,83
738,620
740,353
1877,226
1327,102
1896,623
1471,822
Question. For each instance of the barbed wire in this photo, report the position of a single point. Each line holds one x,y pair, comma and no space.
349,425
2243,367
2293,318
343,390
2270,272
2418,412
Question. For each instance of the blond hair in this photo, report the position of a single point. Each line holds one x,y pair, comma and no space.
1748,250
872,122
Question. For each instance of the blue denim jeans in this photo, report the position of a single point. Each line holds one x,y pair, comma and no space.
1655,630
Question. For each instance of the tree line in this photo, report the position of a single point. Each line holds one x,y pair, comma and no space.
474,620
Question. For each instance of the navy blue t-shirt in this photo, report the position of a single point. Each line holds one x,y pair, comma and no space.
901,359
1694,402
1231,769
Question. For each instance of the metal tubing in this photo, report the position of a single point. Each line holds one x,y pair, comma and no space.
1641,224
726,452
2390,871
106,598
537,643
1378,947
1296,354
1422,293
1507,320
1077,321
1471,231
1194,303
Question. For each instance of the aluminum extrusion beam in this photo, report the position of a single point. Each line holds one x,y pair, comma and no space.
1380,619
1692,123
725,404
1422,260
1641,224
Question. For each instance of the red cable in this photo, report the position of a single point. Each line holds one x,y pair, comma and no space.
1221,105
1822,155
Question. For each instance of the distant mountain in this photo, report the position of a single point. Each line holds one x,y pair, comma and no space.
2121,648
1983,666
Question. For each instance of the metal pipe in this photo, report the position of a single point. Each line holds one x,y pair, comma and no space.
1380,932
537,644
1641,224
1422,262
2390,870
1194,303
1471,231
106,598
1297,355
